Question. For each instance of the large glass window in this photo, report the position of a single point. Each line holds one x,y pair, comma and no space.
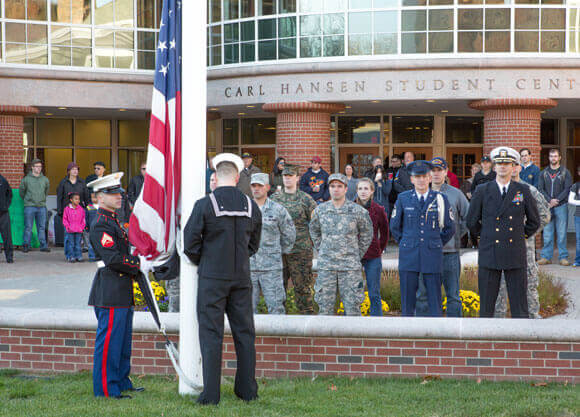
412,129
60,141
463,129
133,133
259,131
230,132
359,129
266,39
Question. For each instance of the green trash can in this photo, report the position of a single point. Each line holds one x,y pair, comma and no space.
17,222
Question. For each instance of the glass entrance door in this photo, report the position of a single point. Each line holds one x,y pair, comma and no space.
361,158
263,157
461,159
423,153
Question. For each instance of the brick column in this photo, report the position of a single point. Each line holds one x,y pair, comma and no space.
513,122
11,151
303,131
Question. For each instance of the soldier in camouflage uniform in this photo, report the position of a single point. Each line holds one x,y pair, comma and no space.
533,279
298,263
342,232
278,236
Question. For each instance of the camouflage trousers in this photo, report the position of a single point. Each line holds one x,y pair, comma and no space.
350,285
533,282
173,294
272,285
298,269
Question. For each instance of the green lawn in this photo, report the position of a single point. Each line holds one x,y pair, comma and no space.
71,395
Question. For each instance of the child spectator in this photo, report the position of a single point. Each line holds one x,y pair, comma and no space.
73,220
91,216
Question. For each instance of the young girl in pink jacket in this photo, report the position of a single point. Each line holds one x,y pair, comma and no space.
73,220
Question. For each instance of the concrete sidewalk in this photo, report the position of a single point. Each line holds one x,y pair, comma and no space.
45,280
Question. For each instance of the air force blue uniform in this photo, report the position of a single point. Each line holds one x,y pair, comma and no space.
415,227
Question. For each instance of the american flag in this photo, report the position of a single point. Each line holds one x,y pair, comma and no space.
152,226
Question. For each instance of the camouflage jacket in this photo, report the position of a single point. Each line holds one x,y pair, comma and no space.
341,235
543,209
278,236
300,206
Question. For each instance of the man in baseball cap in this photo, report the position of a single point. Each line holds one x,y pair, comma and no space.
246,173
278,236
315,181
485,175
298,262
341,231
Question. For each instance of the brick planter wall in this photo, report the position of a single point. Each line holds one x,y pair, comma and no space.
58,350
303,131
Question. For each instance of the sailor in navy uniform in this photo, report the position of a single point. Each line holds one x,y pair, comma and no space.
504,213
112,293
422,224
221,234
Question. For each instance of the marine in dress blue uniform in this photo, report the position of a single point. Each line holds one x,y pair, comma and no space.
112,294
421,227
505,215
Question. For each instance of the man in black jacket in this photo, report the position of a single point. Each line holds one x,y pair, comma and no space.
5,200
136,185
221,234
486,174
505,213
112,293
402,181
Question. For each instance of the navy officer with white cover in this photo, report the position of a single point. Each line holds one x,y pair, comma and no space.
112,293
422,224
221,234
503,213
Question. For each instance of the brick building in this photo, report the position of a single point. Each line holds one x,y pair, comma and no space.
345,80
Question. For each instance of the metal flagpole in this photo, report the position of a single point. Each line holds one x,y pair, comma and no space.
193,155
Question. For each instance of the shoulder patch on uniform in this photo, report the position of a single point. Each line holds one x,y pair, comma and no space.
107,241
518,198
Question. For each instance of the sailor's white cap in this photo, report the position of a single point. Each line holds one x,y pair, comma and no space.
228,157
504,154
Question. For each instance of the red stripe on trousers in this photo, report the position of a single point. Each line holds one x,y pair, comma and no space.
106,351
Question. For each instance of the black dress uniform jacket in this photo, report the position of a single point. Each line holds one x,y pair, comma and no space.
503,224
113,284
222,233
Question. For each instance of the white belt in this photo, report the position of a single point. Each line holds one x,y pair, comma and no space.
100,264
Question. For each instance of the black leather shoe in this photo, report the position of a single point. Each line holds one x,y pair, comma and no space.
123,397
137,389
10,261
25,249
45,250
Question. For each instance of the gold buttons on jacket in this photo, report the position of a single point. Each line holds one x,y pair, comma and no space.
511,229
497,229
511,241
511,217
497,218
497,241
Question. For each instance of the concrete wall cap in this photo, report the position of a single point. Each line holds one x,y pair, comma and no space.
554,330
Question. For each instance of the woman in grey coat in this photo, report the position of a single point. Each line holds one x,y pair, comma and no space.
352,182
